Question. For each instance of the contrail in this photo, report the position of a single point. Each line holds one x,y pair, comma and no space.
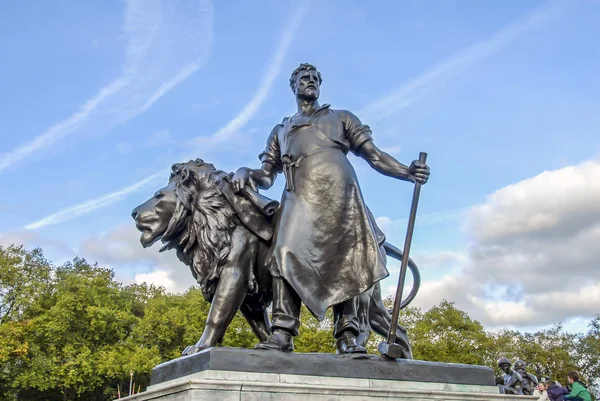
265,85
419,86
275,65
92,204
142,28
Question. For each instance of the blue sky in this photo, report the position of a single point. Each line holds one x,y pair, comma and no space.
99,98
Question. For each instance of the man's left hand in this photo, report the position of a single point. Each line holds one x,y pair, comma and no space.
419,172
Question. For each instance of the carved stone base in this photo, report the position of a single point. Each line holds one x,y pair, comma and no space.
241,374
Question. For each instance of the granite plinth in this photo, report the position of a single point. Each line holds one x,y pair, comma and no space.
330,365
228,374
216,385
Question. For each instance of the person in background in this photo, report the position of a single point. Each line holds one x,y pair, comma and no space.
554,391
540,391
578,390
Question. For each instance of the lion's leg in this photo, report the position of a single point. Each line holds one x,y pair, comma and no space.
258,319
229,294
231,289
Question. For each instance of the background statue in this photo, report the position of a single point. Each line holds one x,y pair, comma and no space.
223,238
530,381
511,382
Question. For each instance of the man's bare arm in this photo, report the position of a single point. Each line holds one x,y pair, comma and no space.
263,177
389,166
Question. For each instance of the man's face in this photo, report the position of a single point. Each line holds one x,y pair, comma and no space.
571,381
505,367
307,85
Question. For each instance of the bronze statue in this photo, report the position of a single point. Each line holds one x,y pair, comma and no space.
326,244
511,382
224,238
530,381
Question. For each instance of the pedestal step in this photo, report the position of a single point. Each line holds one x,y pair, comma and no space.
227,374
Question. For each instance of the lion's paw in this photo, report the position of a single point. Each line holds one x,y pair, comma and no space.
192,349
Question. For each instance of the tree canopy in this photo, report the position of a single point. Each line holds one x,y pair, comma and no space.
73,332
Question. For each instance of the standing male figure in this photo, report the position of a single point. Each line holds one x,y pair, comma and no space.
326,245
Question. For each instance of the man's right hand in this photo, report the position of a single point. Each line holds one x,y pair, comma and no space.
241,178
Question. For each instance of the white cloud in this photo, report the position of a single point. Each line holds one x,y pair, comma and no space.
384,223
458,63
203,144
120,249
534,255
158,56
159,278
550,203
450,287
442,258
32,239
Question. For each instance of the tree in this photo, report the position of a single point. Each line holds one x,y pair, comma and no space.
315,336
23,276
72,340
550,352
588,356
447,334
73,333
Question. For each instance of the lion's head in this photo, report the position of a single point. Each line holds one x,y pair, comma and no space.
190,215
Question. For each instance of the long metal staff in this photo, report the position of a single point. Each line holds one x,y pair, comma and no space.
389,348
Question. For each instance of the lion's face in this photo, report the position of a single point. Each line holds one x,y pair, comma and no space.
153,216
164,216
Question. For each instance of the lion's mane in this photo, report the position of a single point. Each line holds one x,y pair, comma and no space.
203,222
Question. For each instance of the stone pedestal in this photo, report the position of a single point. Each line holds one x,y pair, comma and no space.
229,374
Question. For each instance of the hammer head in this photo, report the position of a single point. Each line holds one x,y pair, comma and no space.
390,351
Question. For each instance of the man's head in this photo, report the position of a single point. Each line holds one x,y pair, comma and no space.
520,366
306,81
504,364
573,377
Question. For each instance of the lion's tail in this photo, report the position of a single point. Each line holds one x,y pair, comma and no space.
395,253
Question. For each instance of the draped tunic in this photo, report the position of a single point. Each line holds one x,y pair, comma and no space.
326,242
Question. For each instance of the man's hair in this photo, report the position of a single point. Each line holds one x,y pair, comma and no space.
574,376
549,383
301,68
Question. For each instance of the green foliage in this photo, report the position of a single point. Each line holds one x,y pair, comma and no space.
315,336
588,355
23,276
73,333
67,332
447,334
550,352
